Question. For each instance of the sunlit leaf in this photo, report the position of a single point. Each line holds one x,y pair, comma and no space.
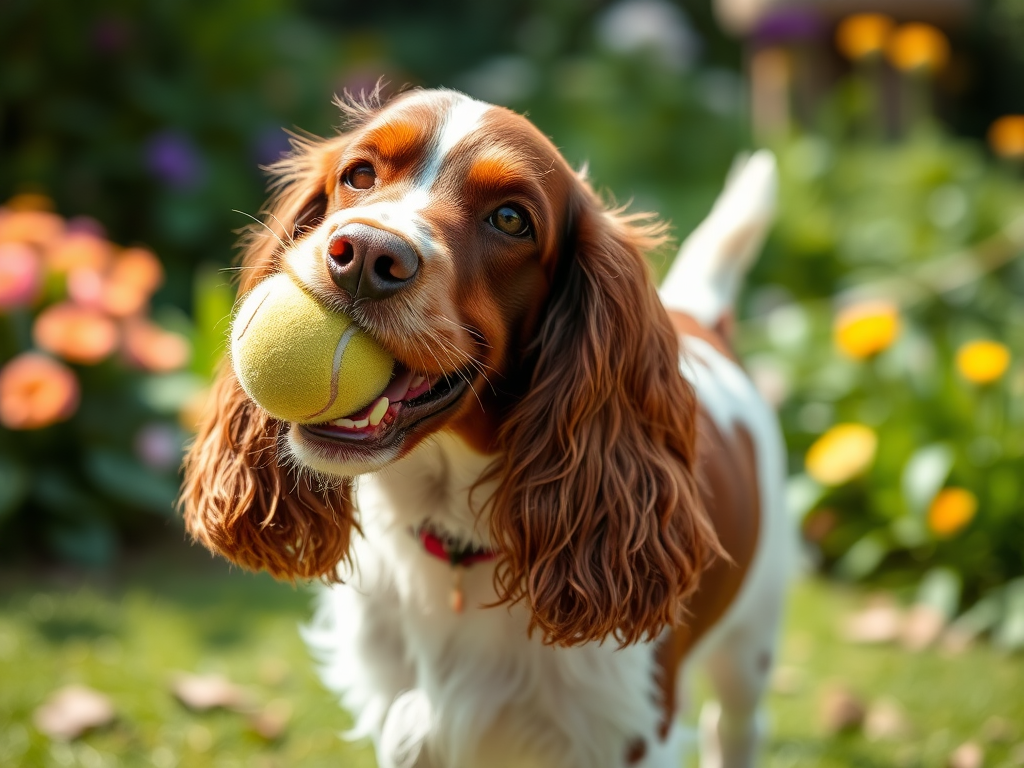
924,474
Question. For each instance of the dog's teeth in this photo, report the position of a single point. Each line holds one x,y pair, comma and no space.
379,409
361,423
416,382
347,423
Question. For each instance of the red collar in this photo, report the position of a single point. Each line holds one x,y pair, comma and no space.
437,547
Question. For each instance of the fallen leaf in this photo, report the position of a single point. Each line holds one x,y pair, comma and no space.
71,711
922,627
880,623
841,710
272,720
967,755
203,692
885,721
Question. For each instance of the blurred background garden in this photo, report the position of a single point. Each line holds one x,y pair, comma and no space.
885,321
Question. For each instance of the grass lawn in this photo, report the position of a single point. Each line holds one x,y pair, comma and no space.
127,633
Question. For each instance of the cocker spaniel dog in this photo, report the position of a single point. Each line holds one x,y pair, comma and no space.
575,494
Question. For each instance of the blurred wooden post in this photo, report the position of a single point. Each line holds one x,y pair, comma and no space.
770,86
791,51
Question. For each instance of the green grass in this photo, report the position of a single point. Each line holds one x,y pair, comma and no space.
126,634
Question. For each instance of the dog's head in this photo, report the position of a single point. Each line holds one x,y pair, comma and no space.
522,317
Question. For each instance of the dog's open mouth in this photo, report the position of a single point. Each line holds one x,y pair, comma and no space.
409,398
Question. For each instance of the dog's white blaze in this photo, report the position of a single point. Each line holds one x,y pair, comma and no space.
404,216
463,118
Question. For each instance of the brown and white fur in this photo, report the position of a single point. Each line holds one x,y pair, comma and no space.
604,442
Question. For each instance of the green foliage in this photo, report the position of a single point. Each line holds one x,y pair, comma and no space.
934,227
154,117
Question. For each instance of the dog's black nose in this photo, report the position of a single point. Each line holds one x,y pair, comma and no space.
370,263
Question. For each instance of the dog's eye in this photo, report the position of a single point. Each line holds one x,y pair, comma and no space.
361,176
510,220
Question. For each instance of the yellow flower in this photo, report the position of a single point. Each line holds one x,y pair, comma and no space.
863,35
191,414
841,454
918,46
951,510
866,329
982,361
1006,136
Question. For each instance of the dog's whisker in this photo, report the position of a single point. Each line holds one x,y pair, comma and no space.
262,224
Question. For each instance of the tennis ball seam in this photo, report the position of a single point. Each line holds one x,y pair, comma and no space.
339,356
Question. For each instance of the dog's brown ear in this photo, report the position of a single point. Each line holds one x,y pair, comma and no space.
597,513
243,502
241,498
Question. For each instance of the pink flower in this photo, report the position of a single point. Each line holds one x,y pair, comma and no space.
21,276
122,288
36,391
151,348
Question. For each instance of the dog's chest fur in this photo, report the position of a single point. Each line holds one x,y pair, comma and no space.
493,695
473,688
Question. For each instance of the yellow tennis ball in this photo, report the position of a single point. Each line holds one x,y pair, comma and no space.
301,361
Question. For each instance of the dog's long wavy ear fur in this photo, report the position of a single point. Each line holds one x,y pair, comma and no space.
240,498
597,512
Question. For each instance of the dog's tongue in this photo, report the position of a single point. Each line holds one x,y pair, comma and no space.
394,392
399,385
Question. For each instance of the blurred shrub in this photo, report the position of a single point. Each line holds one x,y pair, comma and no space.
890,331
90,386
154,117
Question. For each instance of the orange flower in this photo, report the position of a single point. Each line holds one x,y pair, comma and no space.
123,289
982,361
1006,136
36,391
841,454
138,267
30,201
152,348
21,276
865,329
918,47
78,334
33,227
951,510
79,250
863,35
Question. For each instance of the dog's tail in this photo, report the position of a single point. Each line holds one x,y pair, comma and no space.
712,262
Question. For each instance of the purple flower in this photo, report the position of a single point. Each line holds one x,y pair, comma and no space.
88,225
158,445
174,159
789,25
270,145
